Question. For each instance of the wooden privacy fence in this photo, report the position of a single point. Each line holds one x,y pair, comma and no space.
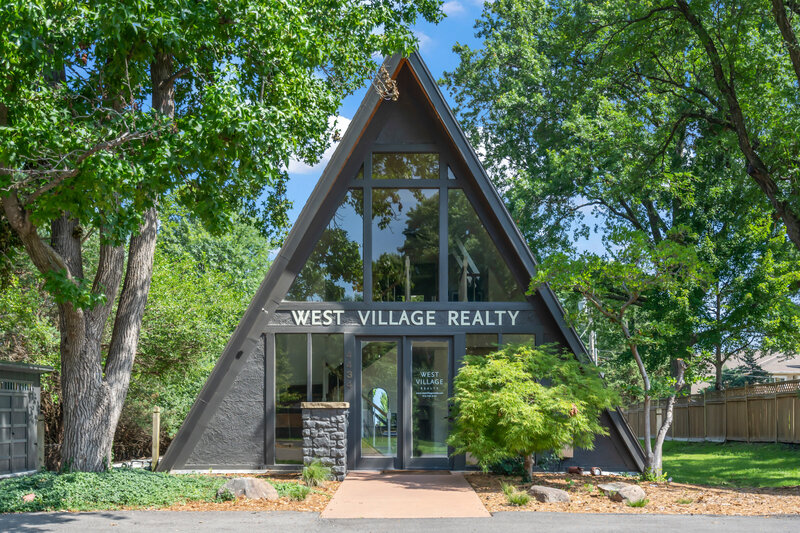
766,412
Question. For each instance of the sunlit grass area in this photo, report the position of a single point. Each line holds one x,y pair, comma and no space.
733,464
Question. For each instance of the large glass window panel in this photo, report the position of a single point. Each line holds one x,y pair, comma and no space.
379,395
405,245
335,272
481,343
430,361
518,338
327,367
405,166
476,271
291,358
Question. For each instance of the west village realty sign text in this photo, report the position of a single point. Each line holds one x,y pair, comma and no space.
398,317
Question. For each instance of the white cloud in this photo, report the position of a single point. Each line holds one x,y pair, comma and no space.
425,41
454,7
298,167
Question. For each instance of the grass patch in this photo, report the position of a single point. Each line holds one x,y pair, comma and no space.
120,487
639,503
733,464
684,501
316,474
515,497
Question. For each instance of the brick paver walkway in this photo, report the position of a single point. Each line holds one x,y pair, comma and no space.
404,495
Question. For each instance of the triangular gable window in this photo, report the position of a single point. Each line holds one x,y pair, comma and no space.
475,269
334,271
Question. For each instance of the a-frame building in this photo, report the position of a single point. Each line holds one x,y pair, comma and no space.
403,260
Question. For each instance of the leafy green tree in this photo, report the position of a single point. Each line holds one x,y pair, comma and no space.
747,373
521,400
106,107
572,124
637,273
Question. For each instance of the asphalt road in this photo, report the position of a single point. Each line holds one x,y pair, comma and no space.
283,522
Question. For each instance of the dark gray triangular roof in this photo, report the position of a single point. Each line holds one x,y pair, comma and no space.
248,335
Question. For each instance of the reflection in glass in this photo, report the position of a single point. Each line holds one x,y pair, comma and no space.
476,270
518,338
334,270
429,415
481,343
327,367
290,390
405,166
405,245
379,399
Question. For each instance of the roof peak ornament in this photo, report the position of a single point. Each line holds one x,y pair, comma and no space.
385,86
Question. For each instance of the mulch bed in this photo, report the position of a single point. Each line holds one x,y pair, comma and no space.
314,502
663,497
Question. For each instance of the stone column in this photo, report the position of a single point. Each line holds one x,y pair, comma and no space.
325,435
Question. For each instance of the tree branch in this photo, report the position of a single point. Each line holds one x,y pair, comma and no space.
787,32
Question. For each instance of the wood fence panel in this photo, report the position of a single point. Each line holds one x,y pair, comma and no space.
715,423
697,422
786,422
765,412
761,418
736,420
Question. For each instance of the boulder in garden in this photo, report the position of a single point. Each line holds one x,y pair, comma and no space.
249,487
623,492
548,494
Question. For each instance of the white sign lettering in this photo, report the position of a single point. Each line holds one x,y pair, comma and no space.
392,317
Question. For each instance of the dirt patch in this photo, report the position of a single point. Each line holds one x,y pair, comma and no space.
666,498
314,502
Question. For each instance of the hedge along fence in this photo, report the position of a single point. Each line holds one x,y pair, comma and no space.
765,412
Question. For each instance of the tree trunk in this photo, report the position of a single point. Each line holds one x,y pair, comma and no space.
718,363
656,465
527,466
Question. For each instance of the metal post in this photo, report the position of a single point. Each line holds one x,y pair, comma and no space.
156,433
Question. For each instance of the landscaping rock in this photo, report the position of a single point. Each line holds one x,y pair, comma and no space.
623,492
548,494
249,487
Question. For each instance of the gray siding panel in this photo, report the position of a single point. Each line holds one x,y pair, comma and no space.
235,435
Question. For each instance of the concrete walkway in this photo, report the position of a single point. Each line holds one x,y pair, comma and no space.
289,522
405,495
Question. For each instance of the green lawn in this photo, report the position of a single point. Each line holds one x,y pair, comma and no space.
733,464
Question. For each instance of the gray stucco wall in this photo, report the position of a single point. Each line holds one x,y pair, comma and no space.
235,435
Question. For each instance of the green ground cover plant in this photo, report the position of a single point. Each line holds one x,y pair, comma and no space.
734,464
123,487
117,488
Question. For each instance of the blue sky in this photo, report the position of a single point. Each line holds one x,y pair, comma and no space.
436,43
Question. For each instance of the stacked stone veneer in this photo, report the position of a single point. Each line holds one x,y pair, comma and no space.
325,435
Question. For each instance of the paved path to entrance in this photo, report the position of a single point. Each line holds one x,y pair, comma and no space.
405,495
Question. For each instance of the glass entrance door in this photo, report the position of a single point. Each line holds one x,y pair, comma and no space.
427,388
404,384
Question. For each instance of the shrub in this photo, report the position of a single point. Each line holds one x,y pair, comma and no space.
521,400
316,473
588,487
